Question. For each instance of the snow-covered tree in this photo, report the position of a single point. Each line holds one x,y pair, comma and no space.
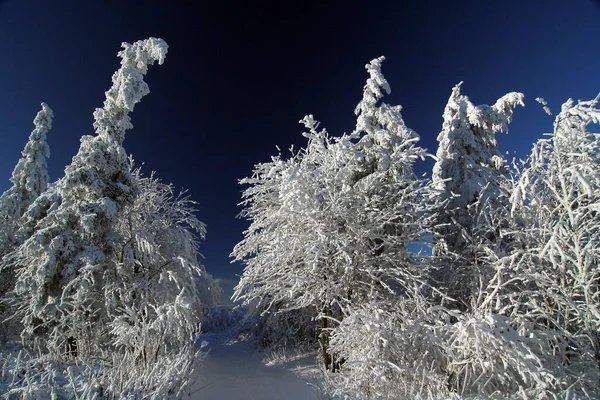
490,346
391,350
159,256
557,200
160,248
531,330
159,289
110,264
330,226
65,264
29,179
466,181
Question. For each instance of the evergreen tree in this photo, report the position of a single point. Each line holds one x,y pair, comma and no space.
74,248
29,179
533,322
466,183
109,267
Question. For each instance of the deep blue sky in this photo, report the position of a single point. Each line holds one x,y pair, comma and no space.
238,77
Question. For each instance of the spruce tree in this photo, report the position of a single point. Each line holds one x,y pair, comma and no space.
466,183
29,179
73,249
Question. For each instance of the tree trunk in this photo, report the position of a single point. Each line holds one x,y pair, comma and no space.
324,341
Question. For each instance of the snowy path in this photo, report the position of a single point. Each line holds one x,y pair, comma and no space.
237,371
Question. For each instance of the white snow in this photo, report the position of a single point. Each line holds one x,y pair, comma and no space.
238,370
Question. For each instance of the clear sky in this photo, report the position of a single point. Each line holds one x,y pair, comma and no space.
239,75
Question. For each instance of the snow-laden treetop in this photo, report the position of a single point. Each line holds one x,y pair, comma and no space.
467,151
102,160
569,158
388,141
101,164
128,87
30,176
30,171
371,92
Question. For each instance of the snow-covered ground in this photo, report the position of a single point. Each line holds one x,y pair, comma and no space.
237,370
